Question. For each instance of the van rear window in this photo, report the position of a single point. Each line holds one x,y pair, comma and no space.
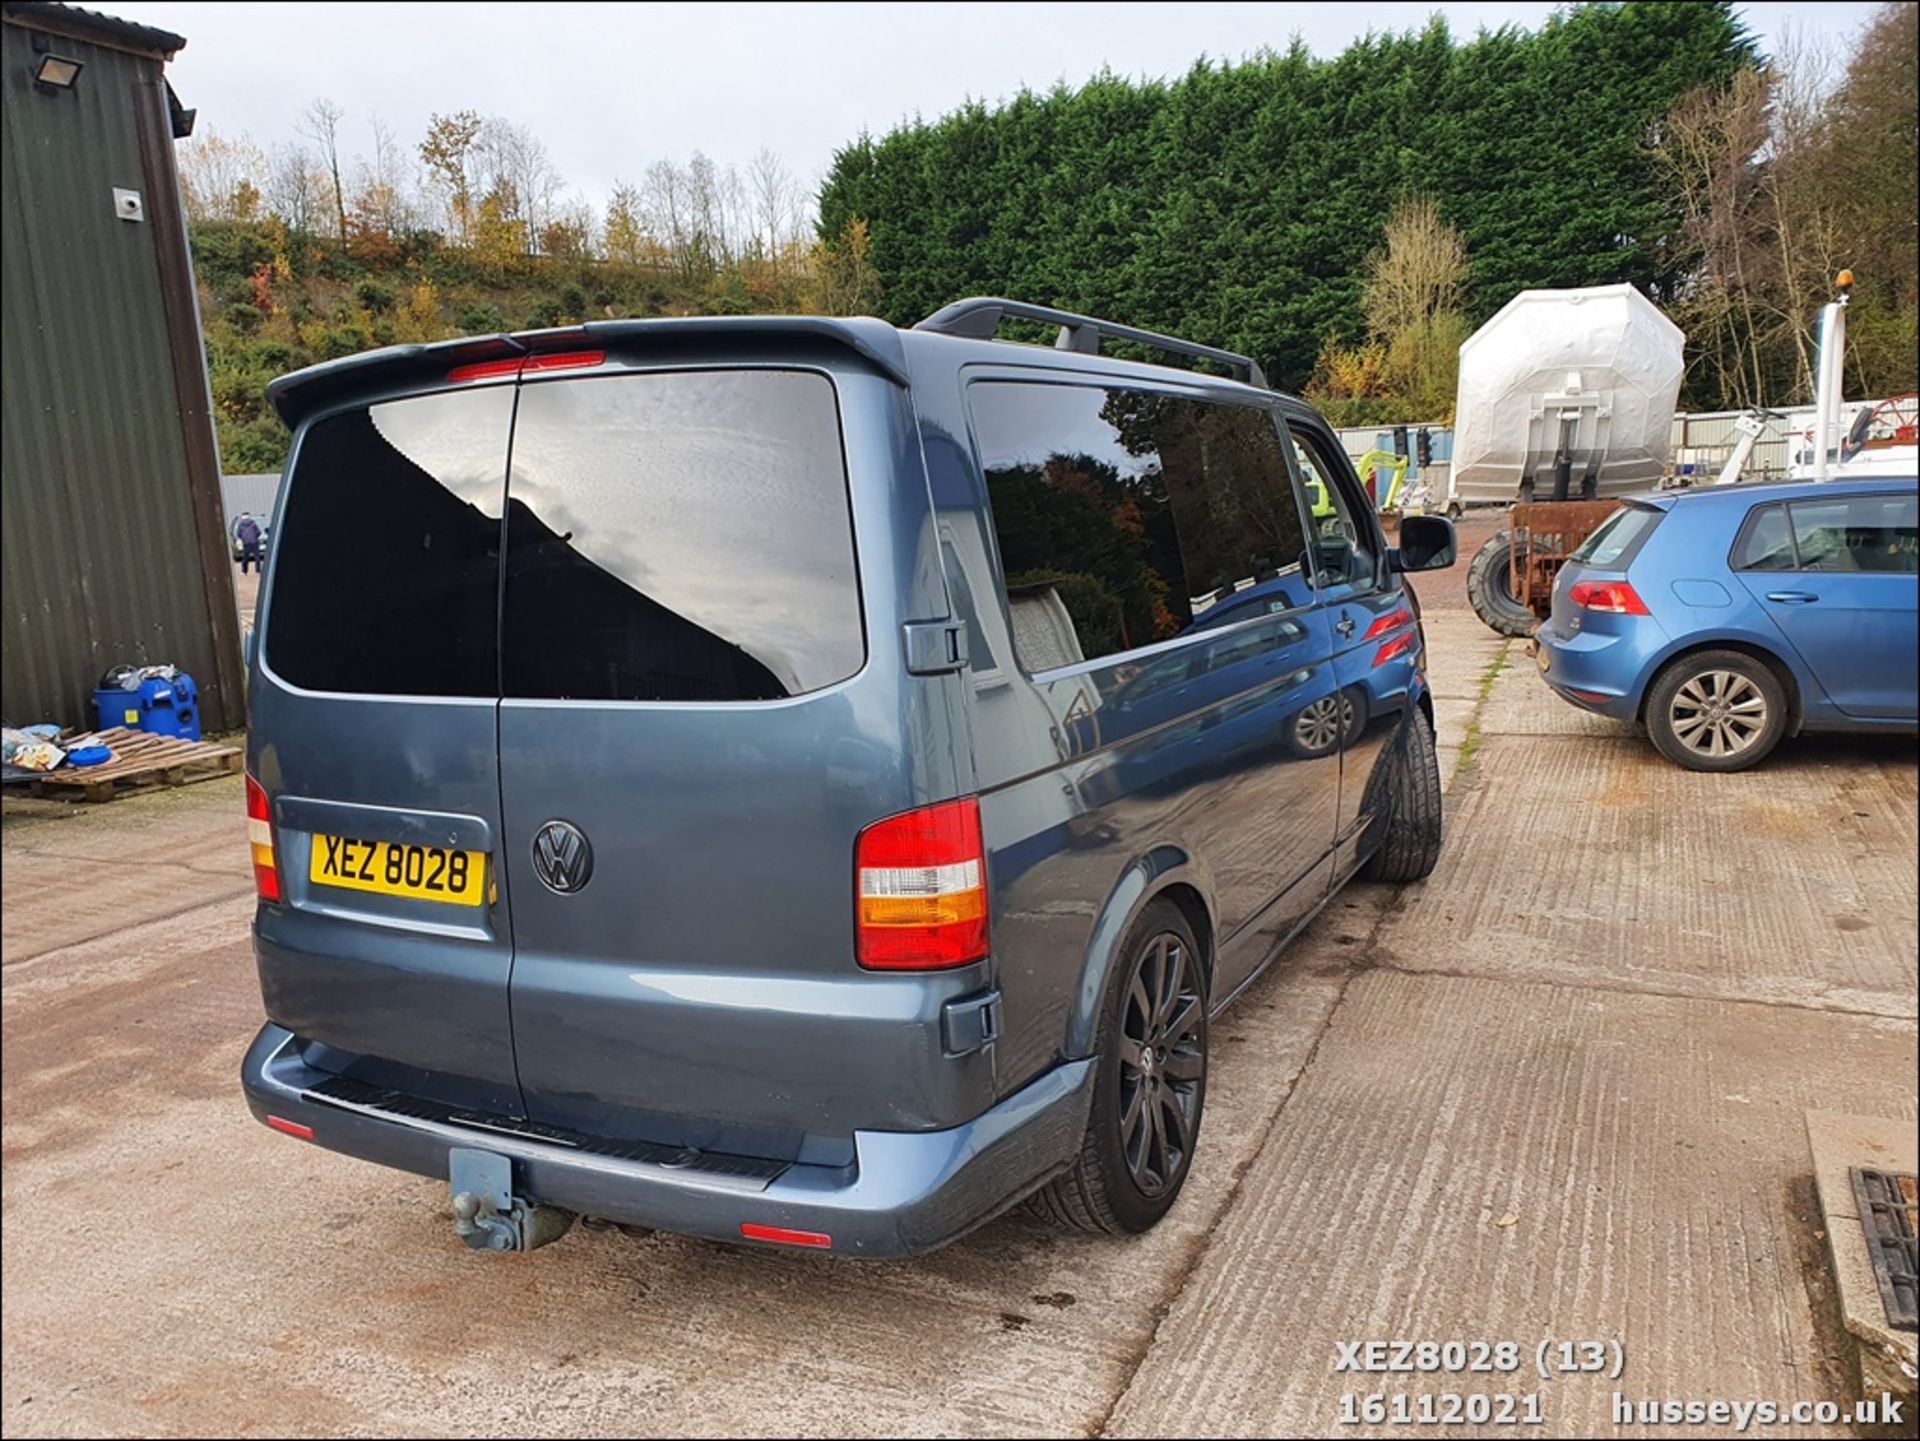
679,536
387,574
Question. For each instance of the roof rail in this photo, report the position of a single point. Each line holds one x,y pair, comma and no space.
979,318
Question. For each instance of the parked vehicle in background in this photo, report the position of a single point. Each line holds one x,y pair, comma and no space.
803,781
1730,617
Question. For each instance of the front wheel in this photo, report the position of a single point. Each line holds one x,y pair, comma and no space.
1716,710
1408,809
1149,1088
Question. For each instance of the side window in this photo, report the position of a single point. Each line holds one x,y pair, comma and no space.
1858,533
1343,547
1765,543
1123,515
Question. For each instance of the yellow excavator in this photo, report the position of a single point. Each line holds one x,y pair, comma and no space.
1382,472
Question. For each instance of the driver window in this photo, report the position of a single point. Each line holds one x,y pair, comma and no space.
1342,540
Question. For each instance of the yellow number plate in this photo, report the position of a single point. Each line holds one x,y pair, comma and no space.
422,873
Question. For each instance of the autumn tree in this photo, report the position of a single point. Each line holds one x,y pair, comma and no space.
1412,299
448,152
218,174
295,187
321,125
1782,176
844,280
625,234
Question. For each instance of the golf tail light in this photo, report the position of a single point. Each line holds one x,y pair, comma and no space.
1614,597
266,874
1390,621
920,889
1394,648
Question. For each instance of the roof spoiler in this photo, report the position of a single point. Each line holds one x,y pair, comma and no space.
297,395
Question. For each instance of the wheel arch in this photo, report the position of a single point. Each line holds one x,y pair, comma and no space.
1783,670
1167,872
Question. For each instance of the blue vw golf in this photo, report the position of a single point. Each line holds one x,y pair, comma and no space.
1728,617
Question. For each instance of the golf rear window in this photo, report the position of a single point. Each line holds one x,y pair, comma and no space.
679,536
1619,534
386,574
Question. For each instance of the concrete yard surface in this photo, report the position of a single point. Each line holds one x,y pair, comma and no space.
1555,1093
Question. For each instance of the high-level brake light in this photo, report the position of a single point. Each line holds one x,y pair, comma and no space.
527,364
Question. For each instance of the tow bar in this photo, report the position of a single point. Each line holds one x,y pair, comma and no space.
486,1213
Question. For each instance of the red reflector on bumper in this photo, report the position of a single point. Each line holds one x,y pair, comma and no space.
292,1128
780,1235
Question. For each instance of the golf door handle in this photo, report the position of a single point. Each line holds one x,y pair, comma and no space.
1345,626
1792,597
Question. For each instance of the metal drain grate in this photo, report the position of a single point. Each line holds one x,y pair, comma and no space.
1890,1215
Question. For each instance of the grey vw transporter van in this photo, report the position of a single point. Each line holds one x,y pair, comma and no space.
803,781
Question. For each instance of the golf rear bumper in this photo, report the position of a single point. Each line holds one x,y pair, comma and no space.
905,1193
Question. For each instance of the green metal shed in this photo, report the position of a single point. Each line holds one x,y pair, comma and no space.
112,540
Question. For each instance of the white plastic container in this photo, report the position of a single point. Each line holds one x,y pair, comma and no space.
1597,369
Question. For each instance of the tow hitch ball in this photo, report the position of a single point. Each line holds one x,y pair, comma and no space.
486,1213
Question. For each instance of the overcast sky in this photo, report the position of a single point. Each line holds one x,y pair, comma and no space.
611,87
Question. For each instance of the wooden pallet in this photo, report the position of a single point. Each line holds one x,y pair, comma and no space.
140,761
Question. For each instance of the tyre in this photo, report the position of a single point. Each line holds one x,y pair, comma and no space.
1149,1087
1490,589
1716,710
1409,809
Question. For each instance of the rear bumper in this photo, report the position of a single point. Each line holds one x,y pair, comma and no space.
906,1192
1594,671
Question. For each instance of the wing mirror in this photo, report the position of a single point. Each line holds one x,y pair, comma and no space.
1426,543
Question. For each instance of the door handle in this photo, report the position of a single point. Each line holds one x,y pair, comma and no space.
1345,626
1792,597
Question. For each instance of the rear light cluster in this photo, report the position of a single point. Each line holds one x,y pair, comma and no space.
920,889
523,364
1614,597
1394,646
266,874
1390,621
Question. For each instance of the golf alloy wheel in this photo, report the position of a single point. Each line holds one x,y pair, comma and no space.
1319,727
1163,1063
1718,714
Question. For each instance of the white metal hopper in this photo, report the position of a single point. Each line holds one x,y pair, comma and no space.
1598,369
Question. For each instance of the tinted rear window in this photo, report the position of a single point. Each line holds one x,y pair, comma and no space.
679,536
1619,534
387,572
